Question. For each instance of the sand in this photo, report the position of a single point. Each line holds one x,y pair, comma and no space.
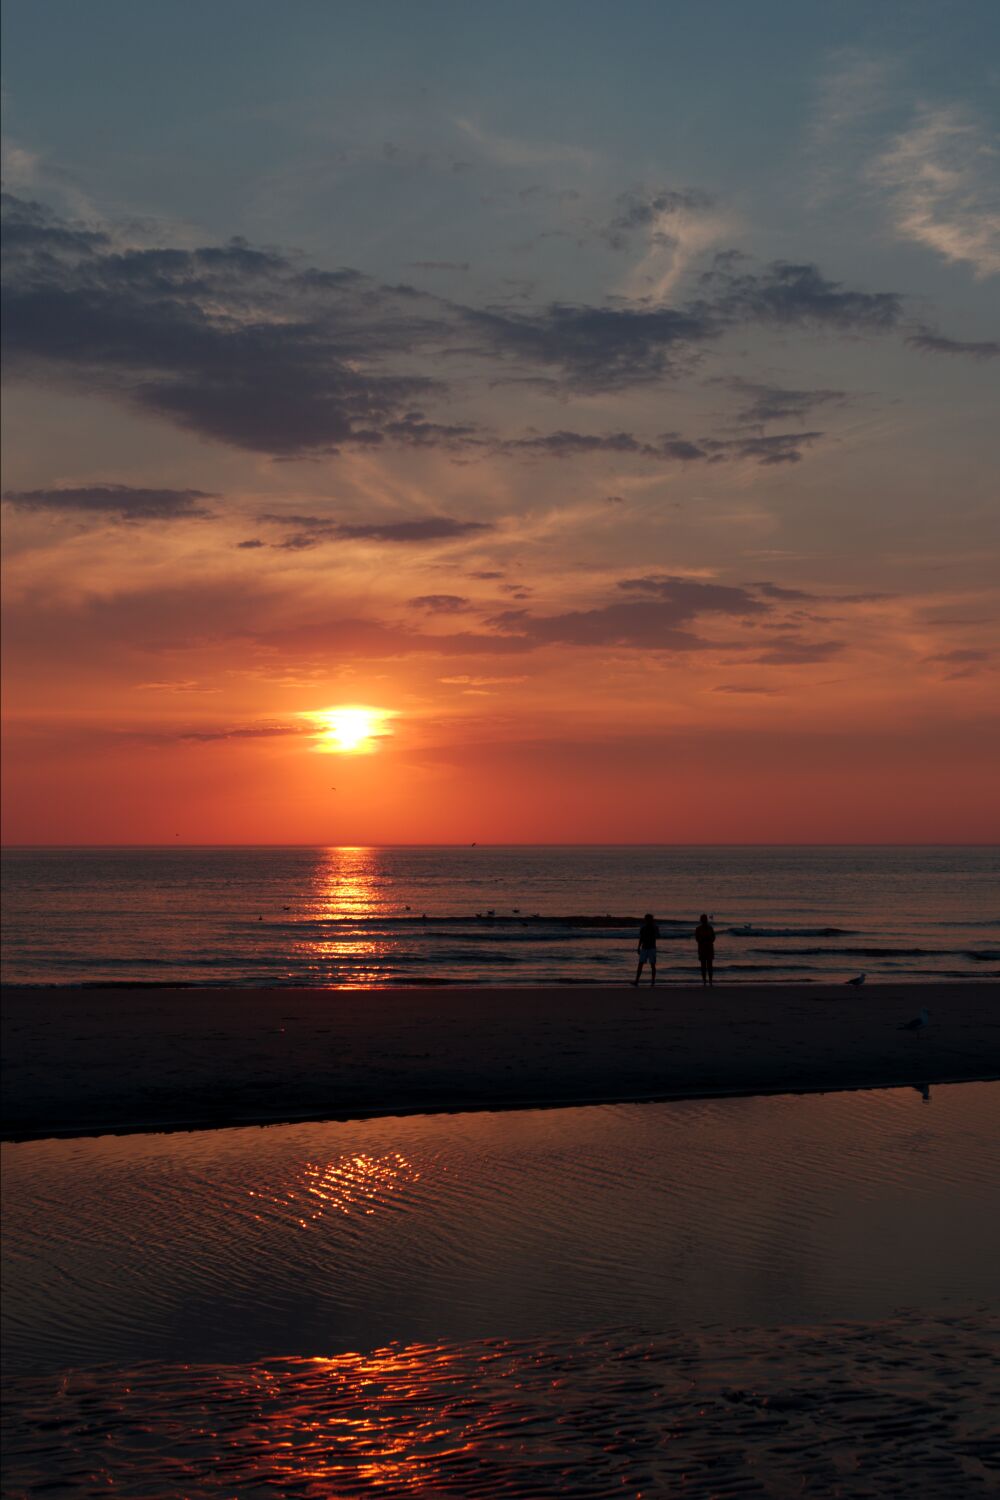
79,1061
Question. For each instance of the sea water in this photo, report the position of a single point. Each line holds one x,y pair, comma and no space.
514,915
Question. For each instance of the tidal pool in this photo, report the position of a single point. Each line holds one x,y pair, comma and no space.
522,1303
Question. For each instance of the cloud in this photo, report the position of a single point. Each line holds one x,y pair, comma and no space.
572,444
789,651
242,732
427,529
313,529
776,448
649,625
464,680
795,295
596,348
690,597
776,591
511,151
736,687
350,639
960,657
942,179
852,92
645,211
774,403
126,502
675,226
254,541
645,624
241,345
929,342
441,604
262,351
439,265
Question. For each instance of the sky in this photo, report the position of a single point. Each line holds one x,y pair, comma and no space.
597,401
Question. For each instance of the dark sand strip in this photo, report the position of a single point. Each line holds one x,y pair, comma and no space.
82,1061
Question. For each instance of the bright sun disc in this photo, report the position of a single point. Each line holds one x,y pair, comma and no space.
348,728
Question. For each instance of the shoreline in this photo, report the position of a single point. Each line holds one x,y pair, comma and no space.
127,1060
402,1111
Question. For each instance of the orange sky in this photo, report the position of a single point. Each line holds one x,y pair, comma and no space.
644,479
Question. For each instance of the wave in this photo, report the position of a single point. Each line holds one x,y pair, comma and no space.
979,957
749,929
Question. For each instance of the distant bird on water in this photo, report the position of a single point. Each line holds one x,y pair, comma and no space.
857,982
918,1023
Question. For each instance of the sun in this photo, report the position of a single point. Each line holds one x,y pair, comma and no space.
348,730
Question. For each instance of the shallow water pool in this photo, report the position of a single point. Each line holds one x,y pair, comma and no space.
751,1295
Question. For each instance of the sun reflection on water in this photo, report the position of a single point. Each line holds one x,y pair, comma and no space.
701,1412
347,892
358,1184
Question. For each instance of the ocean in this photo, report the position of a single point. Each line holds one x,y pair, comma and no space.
495,915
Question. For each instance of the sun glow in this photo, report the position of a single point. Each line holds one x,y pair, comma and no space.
349,730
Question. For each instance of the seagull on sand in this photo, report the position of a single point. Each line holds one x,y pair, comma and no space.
918,1023
856,982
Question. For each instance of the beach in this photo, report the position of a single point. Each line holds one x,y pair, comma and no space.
89,1060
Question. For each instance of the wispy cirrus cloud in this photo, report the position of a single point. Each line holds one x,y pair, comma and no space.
942,175
673,227
514,151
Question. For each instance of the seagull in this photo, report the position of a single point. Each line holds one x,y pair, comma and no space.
918,1023
857,982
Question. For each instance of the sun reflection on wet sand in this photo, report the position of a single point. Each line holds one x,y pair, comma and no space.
878,1409
358,1184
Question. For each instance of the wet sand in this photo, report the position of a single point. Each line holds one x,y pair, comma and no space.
902,1407
79,1061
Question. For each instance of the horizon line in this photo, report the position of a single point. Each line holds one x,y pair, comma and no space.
601,844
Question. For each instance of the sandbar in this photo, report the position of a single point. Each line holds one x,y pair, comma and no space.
83,1060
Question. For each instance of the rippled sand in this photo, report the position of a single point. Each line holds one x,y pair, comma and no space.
880,1409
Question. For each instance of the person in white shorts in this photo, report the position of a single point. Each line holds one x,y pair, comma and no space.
648,933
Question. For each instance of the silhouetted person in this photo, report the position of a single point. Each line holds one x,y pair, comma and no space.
648,933
704,936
